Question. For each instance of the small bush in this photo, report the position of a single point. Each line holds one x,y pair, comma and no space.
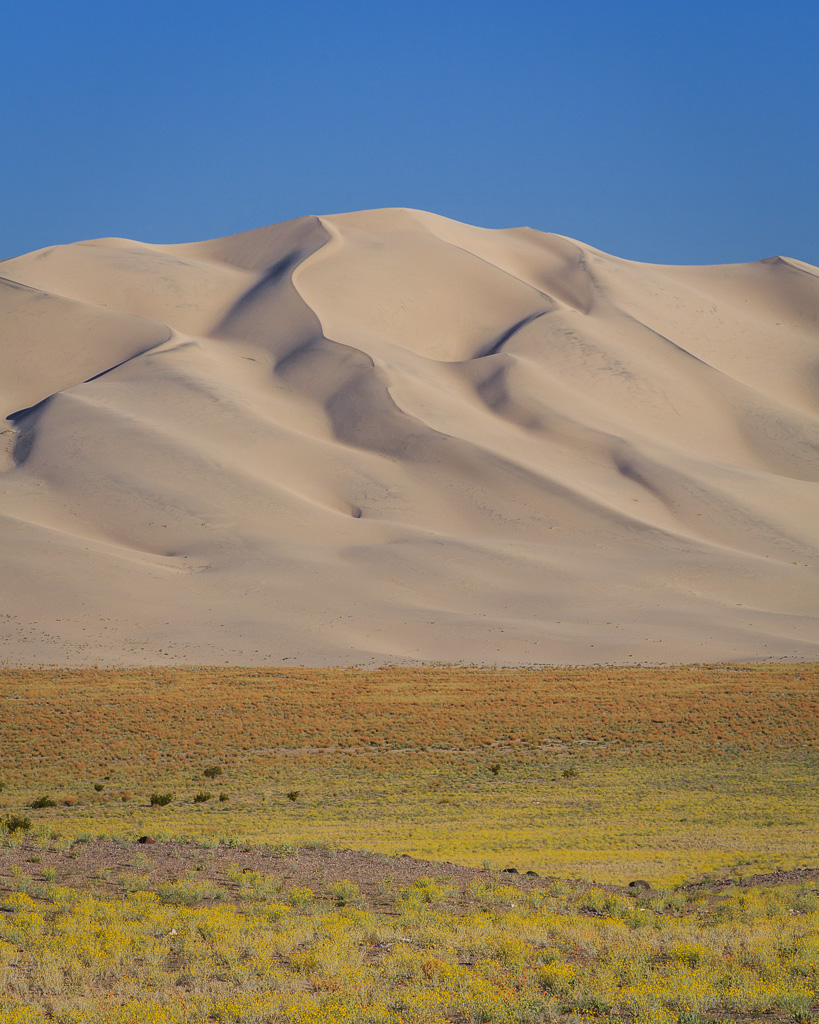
201,798
423,890
20,881
255,886
345,893
283,850
494,768
132,883
320,845
213,772
293,794
43,801
126,794
161,799
569,773
98,787
223,797
301,897
16,823
188,892
69,801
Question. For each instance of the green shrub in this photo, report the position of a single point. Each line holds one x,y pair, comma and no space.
201,798
161,799
255,886
424,890
213,772
223,797
20,881
187,892
319,845
43,801
98,787
16,823
283,850
293,794
494,768
344,893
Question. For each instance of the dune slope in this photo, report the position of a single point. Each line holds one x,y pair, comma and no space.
387,435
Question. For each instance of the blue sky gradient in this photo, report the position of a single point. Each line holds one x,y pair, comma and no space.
679,133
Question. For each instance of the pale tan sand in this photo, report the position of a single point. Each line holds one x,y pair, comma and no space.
386,435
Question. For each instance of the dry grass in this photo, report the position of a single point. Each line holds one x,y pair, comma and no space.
599,773
607,774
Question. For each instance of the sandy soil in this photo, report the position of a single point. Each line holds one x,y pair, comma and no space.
387,436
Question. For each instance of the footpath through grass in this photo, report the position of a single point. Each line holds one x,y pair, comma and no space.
606,773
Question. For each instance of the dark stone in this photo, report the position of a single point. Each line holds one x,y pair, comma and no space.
146,840
639,883
533,874
511,871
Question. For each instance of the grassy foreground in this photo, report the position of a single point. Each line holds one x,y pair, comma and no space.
242,946
701,772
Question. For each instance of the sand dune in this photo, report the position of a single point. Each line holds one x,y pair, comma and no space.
387,435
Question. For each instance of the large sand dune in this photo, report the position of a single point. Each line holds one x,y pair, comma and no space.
388,435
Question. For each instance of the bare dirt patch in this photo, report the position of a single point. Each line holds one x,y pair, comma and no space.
112,867
101,866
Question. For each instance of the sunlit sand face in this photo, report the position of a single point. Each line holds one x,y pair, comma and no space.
389,436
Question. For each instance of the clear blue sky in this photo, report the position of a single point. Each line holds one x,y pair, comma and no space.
682,132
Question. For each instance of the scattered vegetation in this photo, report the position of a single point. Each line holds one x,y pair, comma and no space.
679,771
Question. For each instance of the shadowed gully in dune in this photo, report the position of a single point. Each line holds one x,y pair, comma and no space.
387,435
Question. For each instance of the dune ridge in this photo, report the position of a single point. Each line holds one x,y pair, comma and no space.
390,436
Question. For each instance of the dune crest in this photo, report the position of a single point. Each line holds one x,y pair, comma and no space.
386,435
